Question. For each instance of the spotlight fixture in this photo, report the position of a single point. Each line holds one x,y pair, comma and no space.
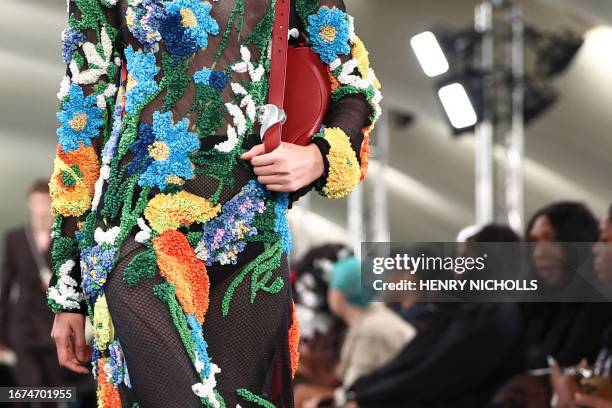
554,52
539,97
457,105
451,55
429,53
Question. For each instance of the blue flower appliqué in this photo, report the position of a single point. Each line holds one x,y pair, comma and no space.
216,79
200,344
328,33
225,236
187,25
143,20
169,150
140,148
140,82
96,264
281,224
80,119
71,39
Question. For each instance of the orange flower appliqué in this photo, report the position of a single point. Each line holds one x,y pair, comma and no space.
107,394
73,181
178,263
294,341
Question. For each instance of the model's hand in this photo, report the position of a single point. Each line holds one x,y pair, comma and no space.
288,168
69,335
592,402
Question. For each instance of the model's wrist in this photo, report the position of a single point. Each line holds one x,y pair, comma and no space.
316,161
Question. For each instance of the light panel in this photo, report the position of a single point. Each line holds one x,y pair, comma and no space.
429,53
457,106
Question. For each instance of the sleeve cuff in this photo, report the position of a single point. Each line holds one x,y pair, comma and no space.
342,171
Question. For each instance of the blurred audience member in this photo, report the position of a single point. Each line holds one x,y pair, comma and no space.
595,391
25,319
375,333
563,332
321,332
468,352
603,249
459,358
567,331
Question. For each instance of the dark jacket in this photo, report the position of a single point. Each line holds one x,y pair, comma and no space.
25,321
466,354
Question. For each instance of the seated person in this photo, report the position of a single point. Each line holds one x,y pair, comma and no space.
567,389
567,331
321,332
375,333
463,351
561,332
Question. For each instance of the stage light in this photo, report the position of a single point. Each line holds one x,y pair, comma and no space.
429,53
457,105
539,97
554,51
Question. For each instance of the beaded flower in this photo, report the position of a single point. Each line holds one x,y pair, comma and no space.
140,148
72,184
103,329
224,237
115,367
216,79
107,393
281,223
141,84
171,211
169,151
80,119
328,33
204,363
179,265
66,295
71,39
186,27
96,263
143,18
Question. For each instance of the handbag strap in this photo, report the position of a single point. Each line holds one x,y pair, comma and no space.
278,69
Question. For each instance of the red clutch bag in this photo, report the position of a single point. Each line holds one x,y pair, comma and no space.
300,89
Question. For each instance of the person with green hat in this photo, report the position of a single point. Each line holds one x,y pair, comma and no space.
375,333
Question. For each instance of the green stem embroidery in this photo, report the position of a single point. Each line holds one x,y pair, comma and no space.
175,79
166,292
142,266
238,9
267,261
254,398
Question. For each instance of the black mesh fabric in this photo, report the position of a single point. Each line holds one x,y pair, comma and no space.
250,344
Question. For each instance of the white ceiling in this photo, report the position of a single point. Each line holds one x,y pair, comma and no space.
431,177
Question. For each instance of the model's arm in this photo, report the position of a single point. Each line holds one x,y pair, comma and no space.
336,160
355,107
86,98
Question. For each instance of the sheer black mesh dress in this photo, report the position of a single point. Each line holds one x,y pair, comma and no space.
182,253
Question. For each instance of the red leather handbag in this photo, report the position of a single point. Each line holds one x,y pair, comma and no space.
300,88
